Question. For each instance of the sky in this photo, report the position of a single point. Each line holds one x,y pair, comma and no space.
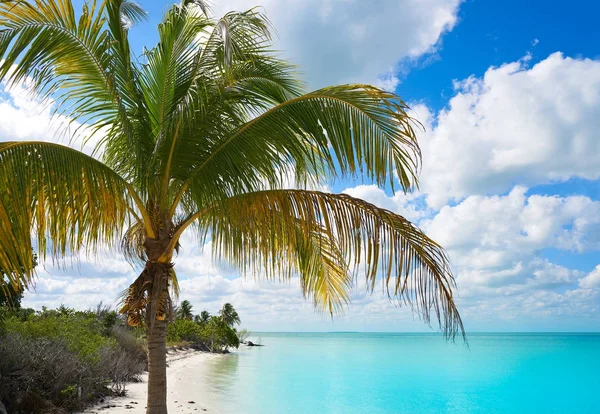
509,96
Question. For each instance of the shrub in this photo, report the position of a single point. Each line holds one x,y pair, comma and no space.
80,332
220,335
61,360
184,330
40,373
214,335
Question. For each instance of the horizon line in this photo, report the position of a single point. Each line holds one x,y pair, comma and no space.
434,333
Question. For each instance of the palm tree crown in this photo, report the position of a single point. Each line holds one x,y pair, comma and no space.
203,318
203,131
229,315
184,311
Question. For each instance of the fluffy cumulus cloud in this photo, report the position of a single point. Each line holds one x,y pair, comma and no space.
23,117
337,41
516,124
496,245
592,280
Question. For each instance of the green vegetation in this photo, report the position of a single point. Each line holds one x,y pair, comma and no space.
209,333
62,360
11,292
184,311
203,131
229,315
203,317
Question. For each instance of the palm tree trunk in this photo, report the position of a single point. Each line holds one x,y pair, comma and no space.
156,334
157,369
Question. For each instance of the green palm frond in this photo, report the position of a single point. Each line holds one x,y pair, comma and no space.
329,237
82,62
203,79
336,131
62,196
45,41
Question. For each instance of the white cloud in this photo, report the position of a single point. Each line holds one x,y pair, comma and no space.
592,280
515,225
495,242
515,125
23,117
400,203
495,245
339,41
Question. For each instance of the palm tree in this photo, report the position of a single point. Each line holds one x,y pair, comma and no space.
184,311
203,131
229,315
203,318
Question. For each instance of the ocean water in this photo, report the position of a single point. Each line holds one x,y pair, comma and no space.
408,373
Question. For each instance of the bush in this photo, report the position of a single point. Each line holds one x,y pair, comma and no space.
40,373
80,332
61,360
184,330
220,335
214,335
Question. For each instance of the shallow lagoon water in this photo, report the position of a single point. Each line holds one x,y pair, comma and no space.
408,373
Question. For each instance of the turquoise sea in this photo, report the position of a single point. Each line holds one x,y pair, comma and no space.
409,373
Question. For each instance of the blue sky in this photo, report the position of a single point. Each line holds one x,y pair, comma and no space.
509,94
495,32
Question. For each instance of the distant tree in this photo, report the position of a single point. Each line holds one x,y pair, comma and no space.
184,311
220,335
229,315
243,335
203,318
11,295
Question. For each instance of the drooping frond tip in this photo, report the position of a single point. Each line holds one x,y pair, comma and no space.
329,239
131,13
58,194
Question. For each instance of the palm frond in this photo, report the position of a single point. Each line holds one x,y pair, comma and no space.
326,237
45,42
81,61
203,78
333,132
69,200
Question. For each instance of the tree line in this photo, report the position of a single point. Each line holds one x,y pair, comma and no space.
213,333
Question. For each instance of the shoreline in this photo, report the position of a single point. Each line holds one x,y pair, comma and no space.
182,397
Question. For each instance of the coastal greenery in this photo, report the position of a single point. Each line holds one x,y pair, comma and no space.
204,131
61,360
184,311
205,332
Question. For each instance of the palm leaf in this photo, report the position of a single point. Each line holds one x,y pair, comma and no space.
82,62
62,196
332,132
319,235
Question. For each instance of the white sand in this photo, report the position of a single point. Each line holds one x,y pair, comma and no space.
182,395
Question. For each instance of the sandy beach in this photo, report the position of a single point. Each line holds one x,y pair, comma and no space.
182,395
